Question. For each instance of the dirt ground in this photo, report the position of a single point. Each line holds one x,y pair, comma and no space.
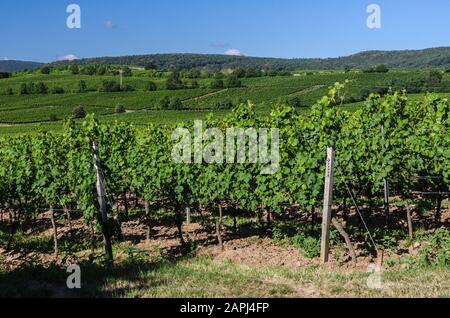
244,247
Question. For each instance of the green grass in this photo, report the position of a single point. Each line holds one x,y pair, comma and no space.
192,277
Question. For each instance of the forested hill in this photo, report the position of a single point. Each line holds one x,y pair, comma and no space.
14,66
428,58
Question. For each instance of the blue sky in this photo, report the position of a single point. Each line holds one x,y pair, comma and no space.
36,30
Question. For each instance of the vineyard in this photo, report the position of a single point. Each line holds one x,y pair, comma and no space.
23,109
390,138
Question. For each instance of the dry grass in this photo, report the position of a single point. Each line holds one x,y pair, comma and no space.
192,277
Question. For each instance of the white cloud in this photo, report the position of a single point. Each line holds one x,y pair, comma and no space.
69,57
234,52
6,59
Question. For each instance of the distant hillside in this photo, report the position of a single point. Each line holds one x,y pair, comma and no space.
408,59
14,66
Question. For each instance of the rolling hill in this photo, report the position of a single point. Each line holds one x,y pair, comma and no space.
15,66
404,59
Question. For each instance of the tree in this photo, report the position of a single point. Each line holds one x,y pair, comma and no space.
31,88
74,69
233,81
217,84
120,109
239,72
24,89
381,69
89,70
152,87
174,82
194,84
164,103
251,72
150,66
81,87
126,72
79,113
41,88
176,104
45,70
435,78
226,104
5,75
219,75
295,102
102,70
110,86
193,74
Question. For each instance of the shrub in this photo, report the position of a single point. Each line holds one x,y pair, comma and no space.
152,87
57,90
309,245
127,88
79,112
436,251
9,91
120,109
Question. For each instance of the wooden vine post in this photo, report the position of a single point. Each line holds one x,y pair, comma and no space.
386,191
55,231
188,215
327,205
147,218
103,207
409,219
218,226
